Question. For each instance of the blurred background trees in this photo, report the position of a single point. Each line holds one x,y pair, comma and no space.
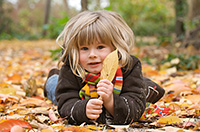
167,30
166,20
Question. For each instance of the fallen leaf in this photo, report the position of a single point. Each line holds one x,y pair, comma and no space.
52,115
77,129
120,127
47,130
15,78
193,98
6,125
32,102
169,120
174,106
17,128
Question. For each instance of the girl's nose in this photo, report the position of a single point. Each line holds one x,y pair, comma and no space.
92,53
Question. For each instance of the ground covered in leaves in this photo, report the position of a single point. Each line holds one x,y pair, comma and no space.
24,66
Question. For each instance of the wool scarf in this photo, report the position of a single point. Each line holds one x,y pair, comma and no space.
90,89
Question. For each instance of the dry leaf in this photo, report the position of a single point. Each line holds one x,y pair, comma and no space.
8,124
169,120
15,78
193,98
120,127
32,102
174,106
110,66
17,128
47,130
77,129
52,115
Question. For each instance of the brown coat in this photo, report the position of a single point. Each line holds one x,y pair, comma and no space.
128,106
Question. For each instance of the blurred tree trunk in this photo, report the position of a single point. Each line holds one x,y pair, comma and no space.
193,35
84,5
46,16
180,14
1,16
194,10
67,7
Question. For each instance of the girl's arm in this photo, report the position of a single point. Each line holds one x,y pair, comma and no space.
70,106
131,103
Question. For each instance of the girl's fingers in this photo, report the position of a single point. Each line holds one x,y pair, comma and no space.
92,116
103,83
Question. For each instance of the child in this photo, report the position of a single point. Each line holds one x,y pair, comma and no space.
87,39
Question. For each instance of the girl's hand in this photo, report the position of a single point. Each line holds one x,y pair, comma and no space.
105,91
94,108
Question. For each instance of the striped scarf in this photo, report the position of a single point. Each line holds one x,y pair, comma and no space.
90,90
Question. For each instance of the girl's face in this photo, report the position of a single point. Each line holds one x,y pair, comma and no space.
91,56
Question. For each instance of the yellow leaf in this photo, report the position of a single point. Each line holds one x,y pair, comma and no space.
77,129
2,107
93,127
8,90
174,106
110,65
169,120
47,130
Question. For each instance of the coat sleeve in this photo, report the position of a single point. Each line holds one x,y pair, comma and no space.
130,104
70,106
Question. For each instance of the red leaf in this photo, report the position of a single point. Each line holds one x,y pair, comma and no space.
8,124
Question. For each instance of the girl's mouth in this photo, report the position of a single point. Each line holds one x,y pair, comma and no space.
94,64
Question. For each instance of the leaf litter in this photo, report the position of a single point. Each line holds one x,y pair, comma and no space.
23,107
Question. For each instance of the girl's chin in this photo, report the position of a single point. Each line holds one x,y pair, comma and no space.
94,71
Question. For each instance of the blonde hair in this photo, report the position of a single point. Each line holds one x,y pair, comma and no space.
89,27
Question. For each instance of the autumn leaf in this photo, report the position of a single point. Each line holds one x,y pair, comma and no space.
169,120
6,88
52,115
47,130
17,128
174,106
32,102
77,129
6,125
120,127
15,78
110,65
193,98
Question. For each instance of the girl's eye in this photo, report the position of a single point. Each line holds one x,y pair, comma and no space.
100,47
84,48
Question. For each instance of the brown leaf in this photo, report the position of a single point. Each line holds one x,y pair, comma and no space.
30,87
32,102
110,65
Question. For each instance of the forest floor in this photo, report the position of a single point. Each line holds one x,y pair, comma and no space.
24,66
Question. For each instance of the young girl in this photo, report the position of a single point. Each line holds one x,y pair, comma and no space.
80,94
